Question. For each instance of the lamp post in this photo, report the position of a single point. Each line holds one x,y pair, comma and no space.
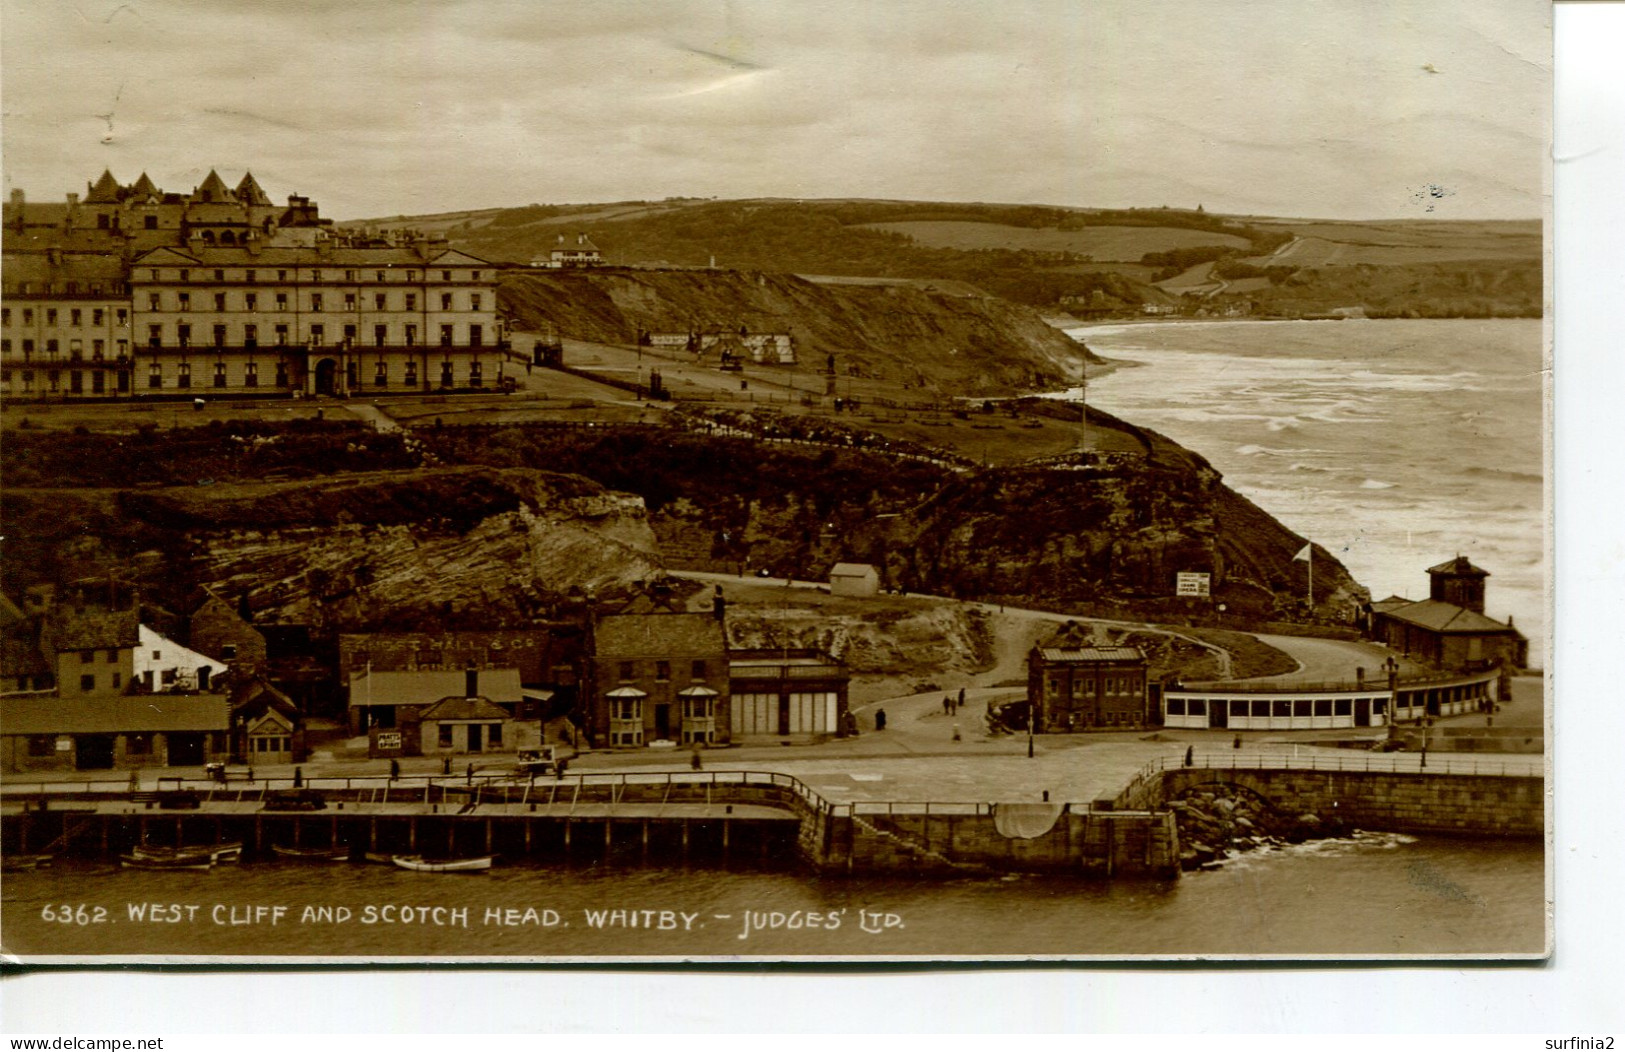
1032,715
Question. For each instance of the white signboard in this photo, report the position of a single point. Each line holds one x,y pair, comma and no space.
1195,584
389,740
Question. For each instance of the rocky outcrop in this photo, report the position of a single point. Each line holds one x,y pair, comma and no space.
952,343
919,640
1219,821
459,545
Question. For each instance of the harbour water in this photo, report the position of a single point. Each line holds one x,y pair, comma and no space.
1393,444
1377,894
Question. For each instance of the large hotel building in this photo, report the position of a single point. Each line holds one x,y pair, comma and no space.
133,292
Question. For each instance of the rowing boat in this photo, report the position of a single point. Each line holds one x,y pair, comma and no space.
178,862
341,853
420,864
230,851
23,863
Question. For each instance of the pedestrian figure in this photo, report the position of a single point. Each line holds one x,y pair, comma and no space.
956,732
394,769
880,719
960,702
1237,743
558,770
470,774
445,765
947,705
694,761
298,777
1190,756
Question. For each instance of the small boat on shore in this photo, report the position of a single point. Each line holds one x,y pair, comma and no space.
340,853
177,862
229,851
419,864
23,863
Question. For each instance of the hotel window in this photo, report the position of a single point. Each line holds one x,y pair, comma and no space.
445,735
411,378
378,274
662,671
494,733
97,315
150,223
626,670
315,275
281,335
118,679
251,336
50,315
445,374
5,315
282,374
98,382
28,379
41,744
282,275
445,275
183,335
411,335
697,671
474,301
315,301
248,277
155,376
186,275
185,300
220,275
446,333
220,374
76,382
411,301
474,275
349,335
51,347
218,334
220,302
380,301
411,275
251,301
155,336
87,682
155,302
318,334
98,349
5,347
282,301
349,275
380,376
120,316
124,348
349,301
380,335
445,301
251,374
475,377
183,375
476,335
28,315
76,349
76,317
28,348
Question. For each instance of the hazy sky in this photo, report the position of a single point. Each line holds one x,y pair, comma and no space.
1338,108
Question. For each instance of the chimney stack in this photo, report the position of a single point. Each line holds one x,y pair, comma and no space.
17,198
471,682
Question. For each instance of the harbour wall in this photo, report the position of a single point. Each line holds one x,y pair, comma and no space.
1391,801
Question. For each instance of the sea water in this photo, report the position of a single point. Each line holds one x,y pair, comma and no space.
1395,445
1377,894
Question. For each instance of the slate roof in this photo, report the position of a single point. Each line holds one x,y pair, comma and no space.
106,191
1393,602
1459,565
96,630
85,268
1091,653
144,187
853,570
139,714
427,686
457,708
310,257
249,192
1437,616
20,656
659,635
214,190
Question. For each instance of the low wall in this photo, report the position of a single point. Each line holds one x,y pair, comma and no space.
1122,844
1464,804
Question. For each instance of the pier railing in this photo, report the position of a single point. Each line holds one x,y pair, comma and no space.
1375,763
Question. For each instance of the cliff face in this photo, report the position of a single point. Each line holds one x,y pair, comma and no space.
964,344
373,550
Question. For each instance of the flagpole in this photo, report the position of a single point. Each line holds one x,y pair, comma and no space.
1311,562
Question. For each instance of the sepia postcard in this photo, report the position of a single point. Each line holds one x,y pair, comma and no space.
787,481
